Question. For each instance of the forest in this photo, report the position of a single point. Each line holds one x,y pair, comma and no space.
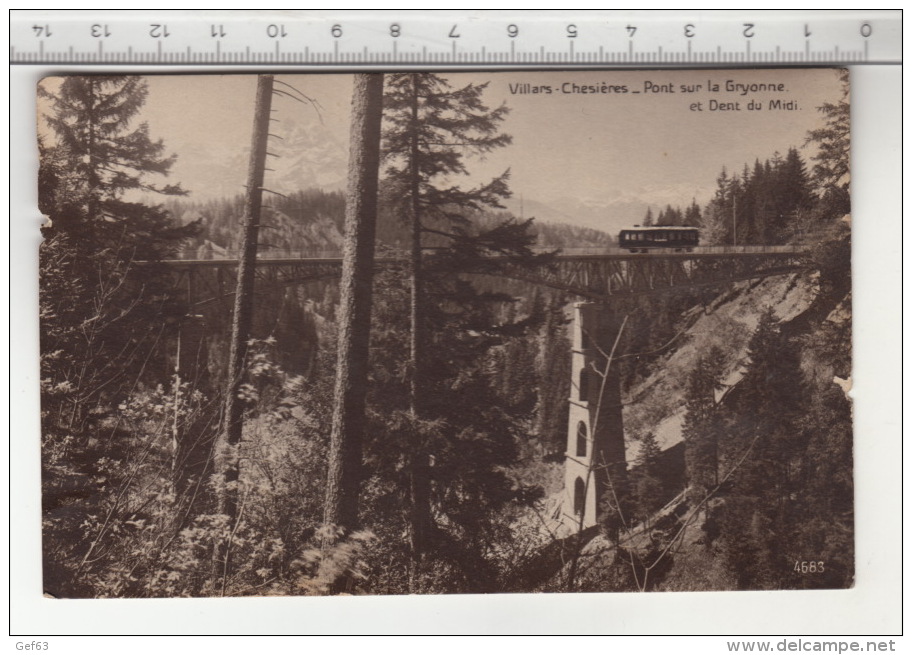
403,430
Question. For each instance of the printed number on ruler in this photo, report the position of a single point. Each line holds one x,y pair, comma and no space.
827,38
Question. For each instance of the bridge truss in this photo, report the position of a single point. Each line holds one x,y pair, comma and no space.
596,277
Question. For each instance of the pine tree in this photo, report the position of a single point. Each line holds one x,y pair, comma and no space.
92,117
100,307
719,218
646,478
756,517
431,127
787,193
701,425
831,167
670,216
765,202
553,370
693,217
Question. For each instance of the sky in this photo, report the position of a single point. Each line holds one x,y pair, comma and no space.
664,140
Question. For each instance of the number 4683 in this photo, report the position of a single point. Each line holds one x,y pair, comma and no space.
802,566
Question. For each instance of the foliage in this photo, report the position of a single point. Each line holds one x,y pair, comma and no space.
646,484
431,127
319,570
471,430
789,487
103,300
451,464
831,167
701,424
142,534
91,116
759,206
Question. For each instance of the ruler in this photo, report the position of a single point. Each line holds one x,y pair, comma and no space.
455,38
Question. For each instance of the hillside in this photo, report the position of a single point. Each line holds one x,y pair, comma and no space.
727,322
734,488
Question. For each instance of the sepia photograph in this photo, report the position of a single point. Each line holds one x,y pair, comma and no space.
445,333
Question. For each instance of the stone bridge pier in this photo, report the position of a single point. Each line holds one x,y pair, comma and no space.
595,469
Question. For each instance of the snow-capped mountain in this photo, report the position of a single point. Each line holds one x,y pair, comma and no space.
308,156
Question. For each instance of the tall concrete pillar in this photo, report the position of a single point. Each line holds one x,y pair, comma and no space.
595,465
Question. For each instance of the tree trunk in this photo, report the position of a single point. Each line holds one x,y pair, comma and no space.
419,482
415,341
228,446
344,474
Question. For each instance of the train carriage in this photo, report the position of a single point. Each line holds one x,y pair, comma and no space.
669,237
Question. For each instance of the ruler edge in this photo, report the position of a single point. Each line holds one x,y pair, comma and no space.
891,17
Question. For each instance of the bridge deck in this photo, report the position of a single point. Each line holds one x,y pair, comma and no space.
284,258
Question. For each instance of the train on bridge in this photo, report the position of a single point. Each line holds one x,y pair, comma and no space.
641,239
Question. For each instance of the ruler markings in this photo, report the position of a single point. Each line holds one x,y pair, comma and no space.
461,50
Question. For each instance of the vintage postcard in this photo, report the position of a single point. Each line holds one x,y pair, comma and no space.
446,333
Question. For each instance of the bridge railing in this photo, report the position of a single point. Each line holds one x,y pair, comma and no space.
696,250
601,251
760,250
233,255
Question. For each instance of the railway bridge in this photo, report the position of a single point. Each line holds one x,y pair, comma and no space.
597,275
595,465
